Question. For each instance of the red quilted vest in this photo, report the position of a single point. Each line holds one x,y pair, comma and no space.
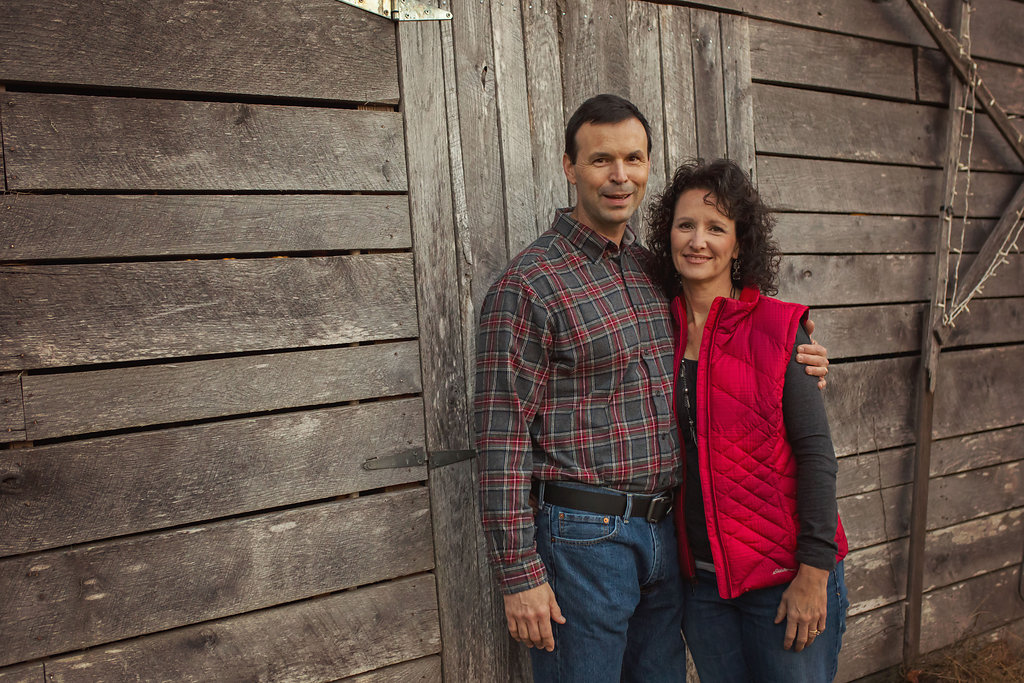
748,472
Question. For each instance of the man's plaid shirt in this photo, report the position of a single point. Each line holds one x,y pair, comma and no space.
573,383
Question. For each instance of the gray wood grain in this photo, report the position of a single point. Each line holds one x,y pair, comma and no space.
66,599
788,54
848,279
830,233
465,600
642,52
308,49
739,97
844,187
876,575
894,466
971,607
807,123
133,226
514,124
481,150
63,142
708,84
75,492
881,516
1004,80
96,313
308,642
546,107
119,398
594,50
870,403
868,644
28,673
677,87
12,409
425,670
896,328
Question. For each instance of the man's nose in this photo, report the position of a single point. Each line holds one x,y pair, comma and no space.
618,172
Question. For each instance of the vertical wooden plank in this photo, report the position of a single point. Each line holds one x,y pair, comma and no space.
467,593
709,93
739,104
643,54
677,79
595,47
513,124
546,108
12,407
481,150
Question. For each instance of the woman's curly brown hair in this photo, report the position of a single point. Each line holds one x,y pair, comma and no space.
737,198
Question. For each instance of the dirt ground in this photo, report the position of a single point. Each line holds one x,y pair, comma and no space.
977,662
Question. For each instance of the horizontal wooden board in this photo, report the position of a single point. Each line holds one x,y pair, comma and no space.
307,49
894,466
877,576
846,187
316,640
425,670
97,313
100,400
796,122
74,492
870,642
64,142
971,607
870,403
67,599
133,226
12,411
834,233
1006,81
995,20
877,330
28,673
787,54
843,280
881,516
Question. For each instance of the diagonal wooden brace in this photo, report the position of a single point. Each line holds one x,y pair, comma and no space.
967,69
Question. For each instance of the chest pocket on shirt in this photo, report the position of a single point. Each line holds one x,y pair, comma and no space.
600,342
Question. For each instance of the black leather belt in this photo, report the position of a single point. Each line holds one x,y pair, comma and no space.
653,507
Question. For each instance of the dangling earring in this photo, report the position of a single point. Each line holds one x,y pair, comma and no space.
736,270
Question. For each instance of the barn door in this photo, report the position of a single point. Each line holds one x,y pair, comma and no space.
210,373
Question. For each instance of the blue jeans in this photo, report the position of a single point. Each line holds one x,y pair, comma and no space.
617,582
737,640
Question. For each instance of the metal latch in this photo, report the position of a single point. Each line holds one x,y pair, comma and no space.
401,10
415,457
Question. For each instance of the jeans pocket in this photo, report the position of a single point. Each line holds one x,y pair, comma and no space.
582,528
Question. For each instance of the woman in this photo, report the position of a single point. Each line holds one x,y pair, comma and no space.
759,533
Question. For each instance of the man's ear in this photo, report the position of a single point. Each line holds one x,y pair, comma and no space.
569,168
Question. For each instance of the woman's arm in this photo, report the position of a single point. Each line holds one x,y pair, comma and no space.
804,604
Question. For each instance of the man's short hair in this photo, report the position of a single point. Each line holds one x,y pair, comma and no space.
604,108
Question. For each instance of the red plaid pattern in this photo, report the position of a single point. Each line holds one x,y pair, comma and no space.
573,383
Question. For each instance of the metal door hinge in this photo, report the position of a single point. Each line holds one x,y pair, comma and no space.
402,10
415,457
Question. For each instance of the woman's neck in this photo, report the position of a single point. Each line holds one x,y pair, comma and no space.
700,296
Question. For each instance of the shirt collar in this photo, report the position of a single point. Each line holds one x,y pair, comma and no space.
586,239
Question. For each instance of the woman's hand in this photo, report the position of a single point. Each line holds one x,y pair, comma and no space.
814,356
804,605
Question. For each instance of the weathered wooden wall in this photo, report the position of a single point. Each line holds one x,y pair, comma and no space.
839,109
208,311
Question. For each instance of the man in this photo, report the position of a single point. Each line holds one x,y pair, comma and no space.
573,410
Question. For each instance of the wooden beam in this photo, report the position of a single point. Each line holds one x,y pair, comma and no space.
967,70
927,373
992,253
